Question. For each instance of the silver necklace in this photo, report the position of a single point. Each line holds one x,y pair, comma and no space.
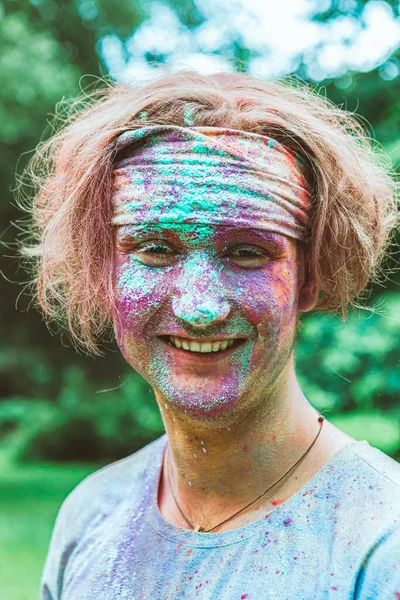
199,528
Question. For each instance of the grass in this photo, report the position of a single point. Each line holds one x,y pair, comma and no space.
30,497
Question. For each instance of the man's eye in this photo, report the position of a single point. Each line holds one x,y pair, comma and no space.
154,254
246,252
249,256
154,249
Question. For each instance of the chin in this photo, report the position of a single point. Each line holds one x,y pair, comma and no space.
201,400
208,406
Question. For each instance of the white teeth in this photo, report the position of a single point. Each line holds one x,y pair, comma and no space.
203,347
206,347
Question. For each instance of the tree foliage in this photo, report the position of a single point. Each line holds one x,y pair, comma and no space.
49,405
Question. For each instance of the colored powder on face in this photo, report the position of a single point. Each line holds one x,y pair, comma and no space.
198,295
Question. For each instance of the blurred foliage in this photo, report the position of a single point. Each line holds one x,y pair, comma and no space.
381,429
50,400
31,79
350,370
357,361
339,8
80,424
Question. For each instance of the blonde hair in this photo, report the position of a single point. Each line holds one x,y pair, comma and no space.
69,242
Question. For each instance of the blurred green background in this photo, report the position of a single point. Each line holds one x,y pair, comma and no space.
63,415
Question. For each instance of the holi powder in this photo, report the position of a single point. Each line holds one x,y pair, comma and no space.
193,210
202,295
210,176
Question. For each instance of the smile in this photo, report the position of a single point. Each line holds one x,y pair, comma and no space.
203,347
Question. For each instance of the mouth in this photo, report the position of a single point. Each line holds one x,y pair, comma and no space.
202,347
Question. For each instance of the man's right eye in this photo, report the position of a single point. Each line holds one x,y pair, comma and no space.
154,254
155,248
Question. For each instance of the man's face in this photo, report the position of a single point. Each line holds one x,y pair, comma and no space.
231,290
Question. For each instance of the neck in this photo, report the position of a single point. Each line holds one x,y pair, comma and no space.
217,470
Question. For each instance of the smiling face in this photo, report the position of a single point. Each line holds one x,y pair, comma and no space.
207,313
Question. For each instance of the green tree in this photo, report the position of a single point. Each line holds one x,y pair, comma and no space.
49,50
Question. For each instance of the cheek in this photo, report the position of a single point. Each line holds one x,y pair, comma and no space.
268,297
140,291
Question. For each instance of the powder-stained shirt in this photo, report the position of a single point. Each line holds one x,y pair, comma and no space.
338,537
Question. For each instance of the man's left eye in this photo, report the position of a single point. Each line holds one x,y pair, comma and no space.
252,256
247,252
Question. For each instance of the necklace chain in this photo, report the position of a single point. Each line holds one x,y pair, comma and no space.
198,528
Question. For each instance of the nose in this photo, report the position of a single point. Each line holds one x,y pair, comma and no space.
200,299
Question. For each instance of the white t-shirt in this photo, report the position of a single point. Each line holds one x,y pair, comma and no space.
337,538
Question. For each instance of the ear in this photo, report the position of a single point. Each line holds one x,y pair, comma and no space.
308,289
308,296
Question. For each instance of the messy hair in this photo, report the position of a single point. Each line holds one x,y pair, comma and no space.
68,245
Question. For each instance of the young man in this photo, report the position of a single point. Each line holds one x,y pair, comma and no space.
201,215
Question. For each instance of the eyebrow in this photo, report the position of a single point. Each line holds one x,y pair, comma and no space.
262,235
127,233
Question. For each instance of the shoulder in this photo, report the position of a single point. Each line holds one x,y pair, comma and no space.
376,473
359,508
102,491
91,503
385,467
365,484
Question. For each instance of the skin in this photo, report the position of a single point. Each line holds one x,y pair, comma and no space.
236,421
